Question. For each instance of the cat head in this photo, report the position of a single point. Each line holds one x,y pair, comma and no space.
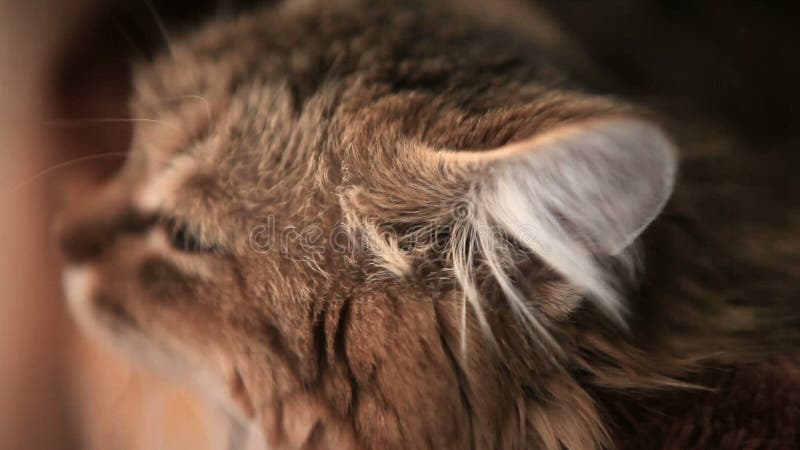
337,226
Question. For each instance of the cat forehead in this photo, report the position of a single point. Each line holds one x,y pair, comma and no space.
190,115
244,162
259,103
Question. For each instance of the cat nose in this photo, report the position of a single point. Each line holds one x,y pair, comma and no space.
87,237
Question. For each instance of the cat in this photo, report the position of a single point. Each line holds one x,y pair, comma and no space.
407,224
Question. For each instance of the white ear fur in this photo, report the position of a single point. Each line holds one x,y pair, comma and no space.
571,196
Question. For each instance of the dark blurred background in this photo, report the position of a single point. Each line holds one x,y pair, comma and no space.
62,63
734,59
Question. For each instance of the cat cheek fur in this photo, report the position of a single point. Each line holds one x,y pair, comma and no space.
131,291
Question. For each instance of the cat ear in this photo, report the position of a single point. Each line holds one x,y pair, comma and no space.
573,194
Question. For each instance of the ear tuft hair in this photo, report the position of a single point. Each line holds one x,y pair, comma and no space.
576,197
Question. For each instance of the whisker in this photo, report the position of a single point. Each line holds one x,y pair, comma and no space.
127,37
51,169
160,25
67,123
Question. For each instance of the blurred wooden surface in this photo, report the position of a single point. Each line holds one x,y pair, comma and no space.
59,391
33,400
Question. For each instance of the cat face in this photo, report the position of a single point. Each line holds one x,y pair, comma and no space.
330,234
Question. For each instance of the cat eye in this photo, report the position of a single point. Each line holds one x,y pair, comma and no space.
183,239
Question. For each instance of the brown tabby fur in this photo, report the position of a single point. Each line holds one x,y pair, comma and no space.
301,114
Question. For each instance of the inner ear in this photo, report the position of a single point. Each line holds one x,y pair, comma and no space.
576,197
604,179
